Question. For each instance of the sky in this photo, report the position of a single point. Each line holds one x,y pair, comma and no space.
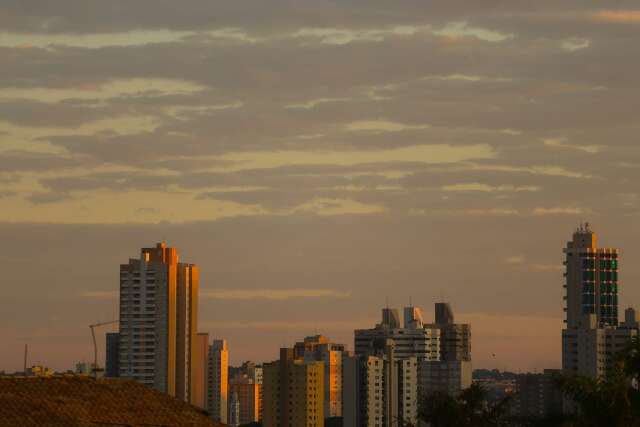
318,160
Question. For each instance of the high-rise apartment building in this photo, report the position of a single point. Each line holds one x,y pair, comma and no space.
112,364
318,348
249,395
234,410
591,280
293,392
218,388
592,334
379,389
452,373
414,340
442,349
201,371
455,338
158,321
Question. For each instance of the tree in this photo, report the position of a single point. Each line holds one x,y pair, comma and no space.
468,409
612,400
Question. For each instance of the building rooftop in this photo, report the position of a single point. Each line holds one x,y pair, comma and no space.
72,401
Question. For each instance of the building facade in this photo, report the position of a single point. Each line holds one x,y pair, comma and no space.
318,348
536,395
449,377
112,362
591,280
201,371
380,390
218,387
234,410
249,396
293,392
452,373
455,339
412,340
592,334
158,321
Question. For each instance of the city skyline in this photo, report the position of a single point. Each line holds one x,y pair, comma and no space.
269,347
318,161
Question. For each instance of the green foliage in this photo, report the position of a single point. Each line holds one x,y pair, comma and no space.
613,400
468,409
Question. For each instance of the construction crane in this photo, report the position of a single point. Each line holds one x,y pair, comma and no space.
95,346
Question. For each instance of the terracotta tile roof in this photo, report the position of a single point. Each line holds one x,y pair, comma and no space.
72,401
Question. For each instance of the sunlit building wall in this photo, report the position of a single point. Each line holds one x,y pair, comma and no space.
218,388
293,392
158,321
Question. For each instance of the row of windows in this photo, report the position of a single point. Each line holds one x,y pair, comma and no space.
605,276
604,288
607,255
608,311
609,299
605,264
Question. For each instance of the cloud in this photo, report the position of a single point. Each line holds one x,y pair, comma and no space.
418,153
273,294
104,91
573,44
546,170
48,197
315,102
463,29
618,16
493,212
326,206
563,143
484,188
382,126
338,36
516,259
559,211
90,41
468,78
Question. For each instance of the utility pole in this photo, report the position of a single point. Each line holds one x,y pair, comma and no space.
95,345
26,349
